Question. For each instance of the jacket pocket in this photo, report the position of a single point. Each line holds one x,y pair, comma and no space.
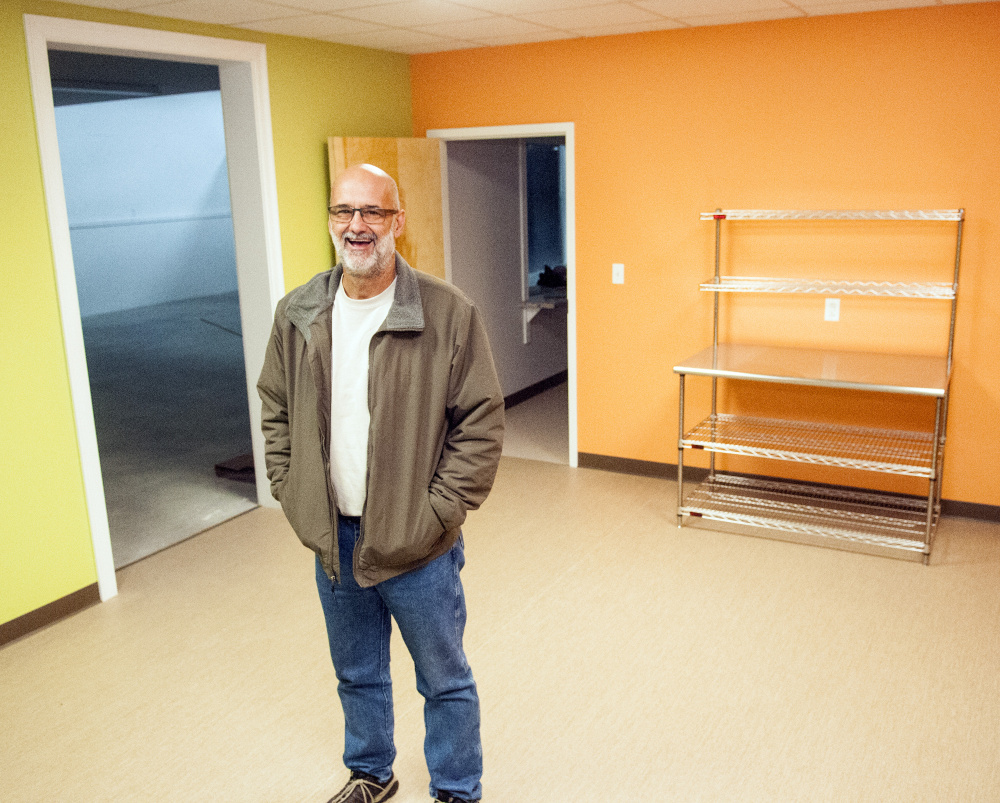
450,514
409,542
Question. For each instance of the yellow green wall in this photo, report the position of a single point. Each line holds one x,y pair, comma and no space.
886,110
317,90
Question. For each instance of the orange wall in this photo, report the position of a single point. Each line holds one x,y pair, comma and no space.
890,110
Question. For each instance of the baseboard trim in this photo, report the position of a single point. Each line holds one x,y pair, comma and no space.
47,614
970,510
648,468
625,465
533,390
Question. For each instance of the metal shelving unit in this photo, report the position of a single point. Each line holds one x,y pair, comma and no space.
869,521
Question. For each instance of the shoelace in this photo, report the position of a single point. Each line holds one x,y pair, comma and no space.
366,788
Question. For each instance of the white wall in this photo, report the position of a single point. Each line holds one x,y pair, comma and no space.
147,194
484,207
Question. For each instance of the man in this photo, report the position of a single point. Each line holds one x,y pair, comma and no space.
383,421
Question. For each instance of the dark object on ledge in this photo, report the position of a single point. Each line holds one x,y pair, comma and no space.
552,277
238,468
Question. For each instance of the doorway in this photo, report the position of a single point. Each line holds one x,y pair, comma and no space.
154,258
538,415
532,329
244,93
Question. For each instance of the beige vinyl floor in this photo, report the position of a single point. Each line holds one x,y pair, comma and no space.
617,657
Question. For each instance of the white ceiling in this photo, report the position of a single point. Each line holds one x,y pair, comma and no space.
427,26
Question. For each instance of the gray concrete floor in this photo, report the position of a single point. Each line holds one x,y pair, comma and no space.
169,393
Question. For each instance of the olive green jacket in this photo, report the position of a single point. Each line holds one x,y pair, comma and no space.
437,417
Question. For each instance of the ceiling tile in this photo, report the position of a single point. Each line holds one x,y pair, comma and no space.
550,35
122,5
315,26
490,28
678,9
404,41
521,7
221,12
821,7
737,18
613,29
414,13
592,16
333,6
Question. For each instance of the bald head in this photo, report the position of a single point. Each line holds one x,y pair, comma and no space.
368,179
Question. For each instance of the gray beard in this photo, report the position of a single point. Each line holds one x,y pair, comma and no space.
370,267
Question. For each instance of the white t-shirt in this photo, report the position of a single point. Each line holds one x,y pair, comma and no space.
354,323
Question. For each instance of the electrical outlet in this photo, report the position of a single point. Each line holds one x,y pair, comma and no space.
831,312
618,273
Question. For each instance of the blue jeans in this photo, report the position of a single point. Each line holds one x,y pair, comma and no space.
428,605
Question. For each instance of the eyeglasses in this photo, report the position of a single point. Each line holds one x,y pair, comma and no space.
369,214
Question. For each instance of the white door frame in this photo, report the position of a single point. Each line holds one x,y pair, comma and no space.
254,196
525,132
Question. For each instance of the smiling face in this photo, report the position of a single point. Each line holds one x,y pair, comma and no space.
367,251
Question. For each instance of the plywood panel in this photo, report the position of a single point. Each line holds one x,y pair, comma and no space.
415,164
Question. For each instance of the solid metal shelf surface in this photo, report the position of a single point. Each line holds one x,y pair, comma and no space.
764,284
889,521
888,451
856,370
835,214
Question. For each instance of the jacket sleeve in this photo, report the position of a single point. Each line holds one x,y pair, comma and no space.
272,387
474,438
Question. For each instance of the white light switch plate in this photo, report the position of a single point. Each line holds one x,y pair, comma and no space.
831,311
618,273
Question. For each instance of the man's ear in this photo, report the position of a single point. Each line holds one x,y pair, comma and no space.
398,223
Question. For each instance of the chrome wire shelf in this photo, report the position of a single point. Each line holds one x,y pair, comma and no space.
808,512
888,521
763,284
870,449
835,214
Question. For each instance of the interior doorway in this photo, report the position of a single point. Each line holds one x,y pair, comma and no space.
531,320
154,258
538,415
244,92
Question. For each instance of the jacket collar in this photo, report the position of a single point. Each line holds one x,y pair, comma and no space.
308,302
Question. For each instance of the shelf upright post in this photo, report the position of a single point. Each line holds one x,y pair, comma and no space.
934,492
940,433
715,313
719,217
954,297
680,454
